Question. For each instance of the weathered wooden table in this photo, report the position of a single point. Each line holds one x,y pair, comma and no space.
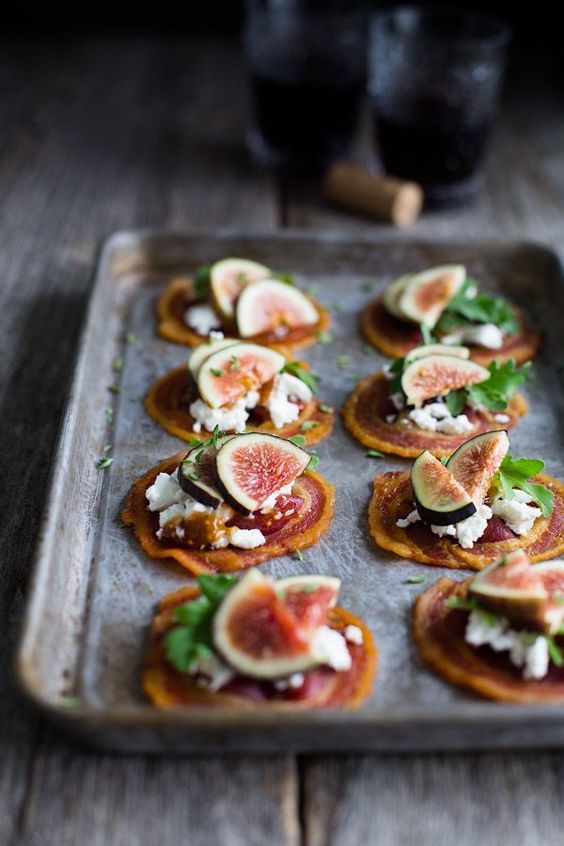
99,136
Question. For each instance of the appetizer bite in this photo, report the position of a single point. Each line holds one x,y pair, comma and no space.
434,398
255,642
444,303
240,298
470,509
230,503
499,633
239,387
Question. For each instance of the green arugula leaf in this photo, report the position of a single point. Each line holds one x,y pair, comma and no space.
286,278
298,440
516,473
456,400
190,640
504,380
482,308
395,369
308,378
202,282
313,462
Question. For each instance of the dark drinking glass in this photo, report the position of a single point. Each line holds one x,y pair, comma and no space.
307,71
434,83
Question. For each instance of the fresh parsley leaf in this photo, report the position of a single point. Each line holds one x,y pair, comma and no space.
296,369
104,463
298,440
217,373
309,424
516,473
343,361
202,281
325,337
504,380
456,400
374,453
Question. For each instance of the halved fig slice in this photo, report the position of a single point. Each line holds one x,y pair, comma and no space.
263,636
229,374
436,375
251,467
204,351
440,499
273,306
196,474
475,462
294,585
228,277
437,349
426,294
392,294
529,595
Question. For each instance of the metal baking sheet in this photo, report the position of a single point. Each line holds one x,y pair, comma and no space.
93,591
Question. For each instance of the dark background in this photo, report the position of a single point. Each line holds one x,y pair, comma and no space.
533,24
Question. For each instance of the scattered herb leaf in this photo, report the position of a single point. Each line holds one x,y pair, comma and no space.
104,463
299,555
456,400
287,278
109,412
130,337
202,281
343,361
217,373
309,424
374,453
107,448
482,308
428,337
118,364
313,462
114,389
308,378
368,350
555,651
367,286
298,440
416,580
325,337
325,409
471,604
234,363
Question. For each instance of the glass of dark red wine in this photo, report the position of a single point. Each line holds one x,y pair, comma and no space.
307,66
434,80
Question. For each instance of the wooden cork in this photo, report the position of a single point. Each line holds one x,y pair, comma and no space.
383,197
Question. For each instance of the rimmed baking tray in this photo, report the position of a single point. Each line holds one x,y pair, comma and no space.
93,591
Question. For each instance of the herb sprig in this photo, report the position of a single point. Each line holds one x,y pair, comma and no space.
517,473
494,393
466,307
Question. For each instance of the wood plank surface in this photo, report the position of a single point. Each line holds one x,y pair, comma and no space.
98,136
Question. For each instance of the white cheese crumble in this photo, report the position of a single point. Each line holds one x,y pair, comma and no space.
216,335
165,491
486,335
516,512
398,400
213,671
502,418
246,538
330,647
354,635
202,318
279,404
466,531
436,417
293,682
232,418
526,649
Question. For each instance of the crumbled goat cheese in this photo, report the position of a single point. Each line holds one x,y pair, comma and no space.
526,649
293,682
354,635
246,538
216,335
165,491
486,335
466,531
213,671
279,404
181,511
270,502
502,418
231,418
516,512
436,417
390,418
387,371
330,647
202,318
398,401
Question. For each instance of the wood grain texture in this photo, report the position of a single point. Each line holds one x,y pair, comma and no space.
98,136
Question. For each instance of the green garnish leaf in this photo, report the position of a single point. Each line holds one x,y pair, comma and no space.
202,282
215,437
114,389
456,400
416,580
444,460
298,440
343,361
555,651
234,363
190,640
313,462
130,337
325,337
194,442
482,308
428,337
367,286
395,369
109,412
516,473
308,378
374,453
325,409
118,364
104,463
471,604
368,350
504,380
107,448
309,424
217,373
299,555
286,278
